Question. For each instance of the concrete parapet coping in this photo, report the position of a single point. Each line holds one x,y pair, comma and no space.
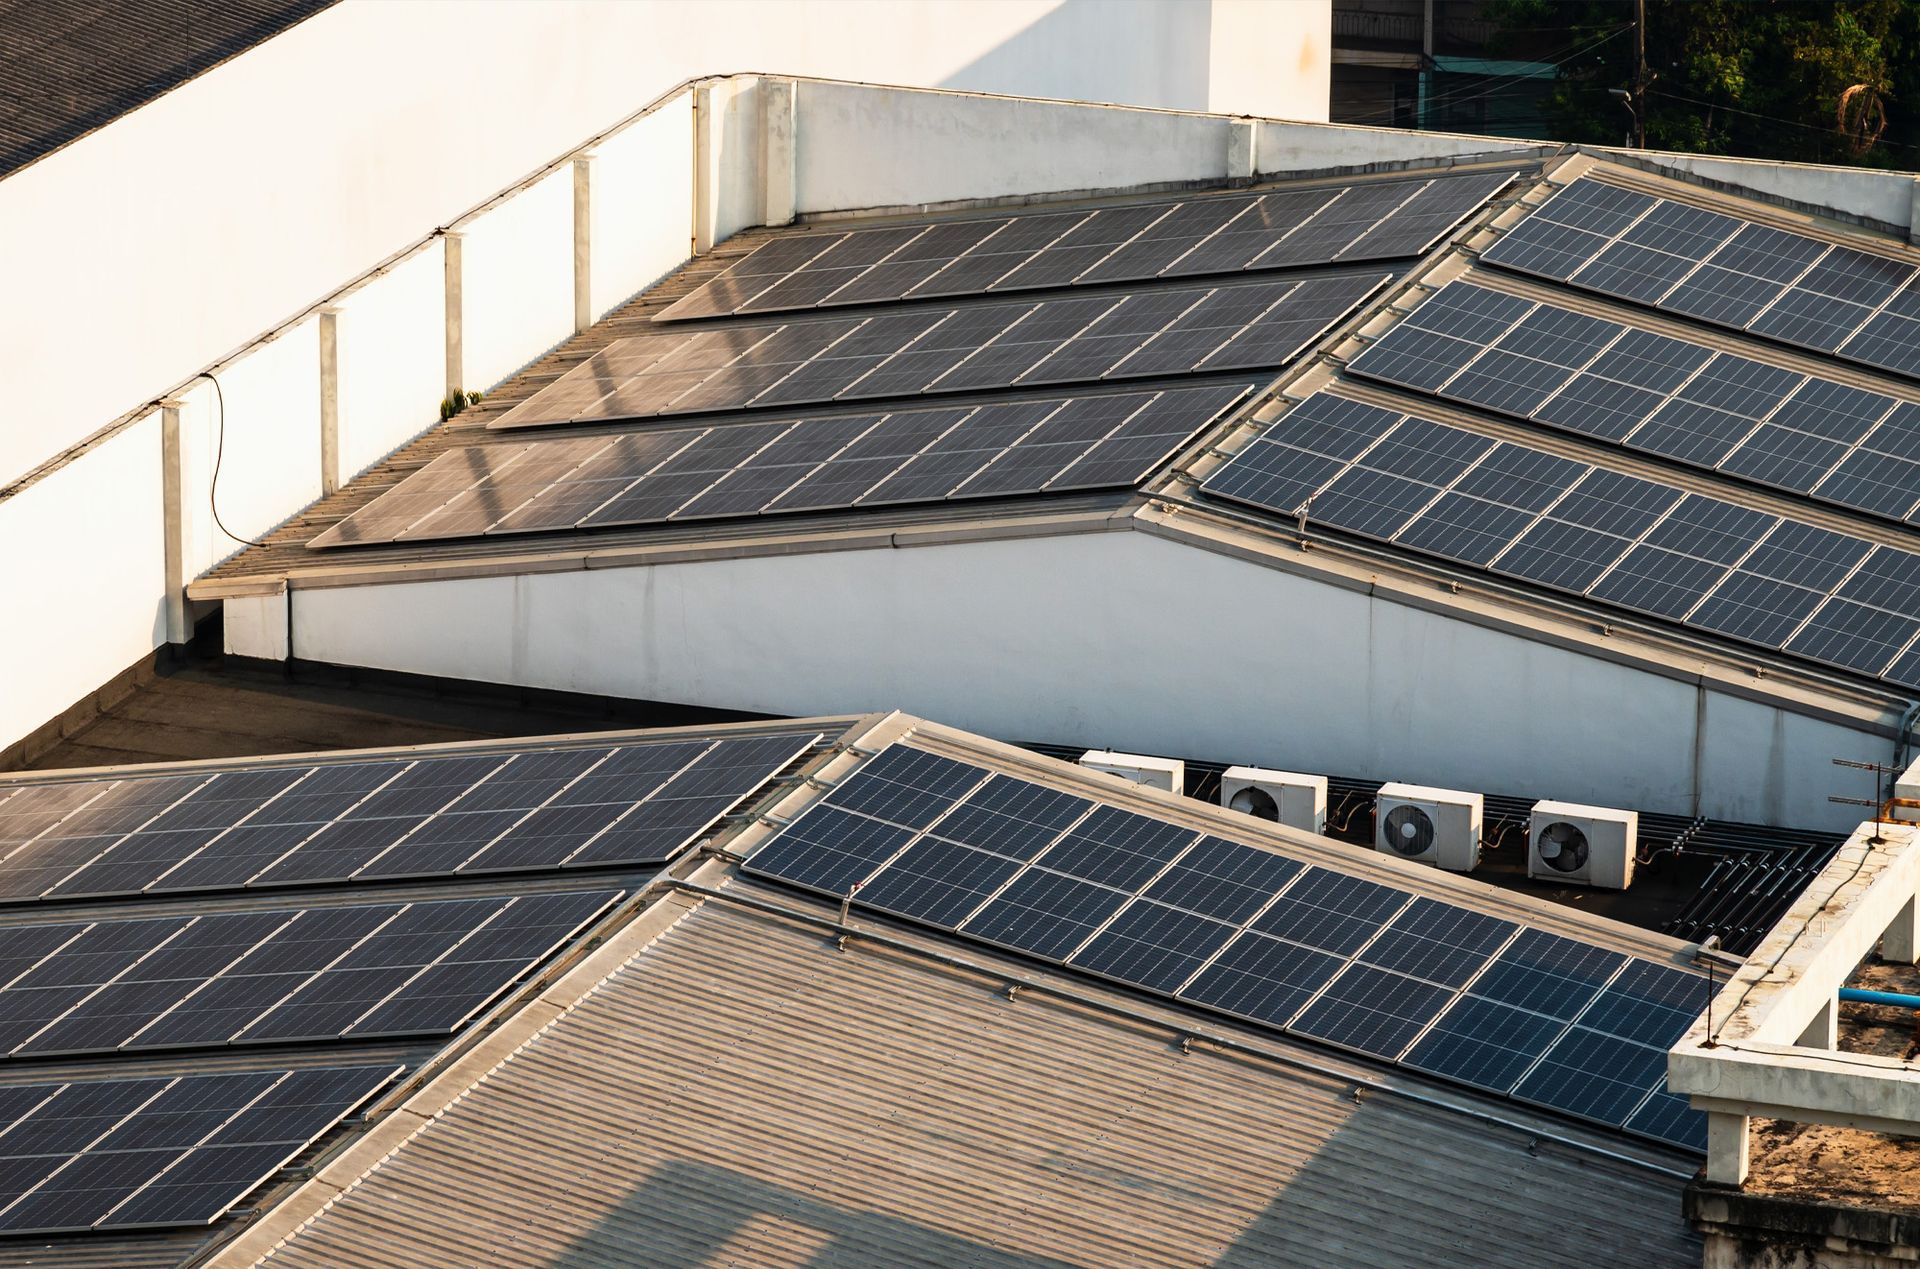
1754,1051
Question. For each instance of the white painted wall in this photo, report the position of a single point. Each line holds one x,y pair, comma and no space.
516,262
223,208
642,204
83,574
391,336
862,146
267,447
1084,640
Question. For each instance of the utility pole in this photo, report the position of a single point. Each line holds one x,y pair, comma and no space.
1423,111
1639,74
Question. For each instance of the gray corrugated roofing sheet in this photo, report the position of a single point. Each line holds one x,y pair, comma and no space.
739,1091
70,66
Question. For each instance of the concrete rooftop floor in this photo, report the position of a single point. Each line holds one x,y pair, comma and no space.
206,706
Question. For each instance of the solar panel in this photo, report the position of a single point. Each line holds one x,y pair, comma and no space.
1779,284
115,1154
1153,946
1141,901
408,817
1594,1075
1207,235
1262,979
1647,391
1373,1011
244,977
1636,543
1483,1043
1046,914
938,882
982,346
816,464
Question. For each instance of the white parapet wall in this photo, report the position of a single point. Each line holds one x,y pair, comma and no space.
278,226
177,233
1086,640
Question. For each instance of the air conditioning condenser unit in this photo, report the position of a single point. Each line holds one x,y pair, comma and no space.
1429,826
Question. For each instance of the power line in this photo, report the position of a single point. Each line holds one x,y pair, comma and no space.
1791,123
1471,92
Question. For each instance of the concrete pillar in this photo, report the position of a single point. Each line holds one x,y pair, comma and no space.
702,168
1913,214
329,322
1242,162
1823,1032
456,355
582,241
777,150
1727,1148
1898,943
173,521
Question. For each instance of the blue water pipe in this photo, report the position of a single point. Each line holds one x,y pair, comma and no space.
1862,996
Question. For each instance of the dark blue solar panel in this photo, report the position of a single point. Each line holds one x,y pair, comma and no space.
1671,1119
1265,979
1011,817
1224,880
829,849
1548,974
1440,942
1465,995
1152,945
1595,1076
906,786
1045,913
1372,1010
1330,911
1483,1043
1118,848
1653,1004
938,882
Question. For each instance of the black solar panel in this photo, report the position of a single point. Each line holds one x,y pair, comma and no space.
1783,285
1647,391
980,346
1207,235
817,464
1636,543
1154,946
1374,1011
317,972
1329,956
116,1154
406,817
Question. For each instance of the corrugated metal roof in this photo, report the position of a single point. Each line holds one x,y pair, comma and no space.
68,68
738,1091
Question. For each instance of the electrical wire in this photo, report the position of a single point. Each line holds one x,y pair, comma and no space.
1756,980
1474,91
1808,127
219,455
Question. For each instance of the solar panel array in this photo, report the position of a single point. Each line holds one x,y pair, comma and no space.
1665,396
1213,235
1079,339
377,820
1721,269
1321,954
116,1154
1035,445
1638,544
238,978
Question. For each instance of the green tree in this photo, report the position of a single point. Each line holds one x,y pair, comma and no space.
1757,78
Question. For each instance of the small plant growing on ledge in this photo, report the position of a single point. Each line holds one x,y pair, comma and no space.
457,401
